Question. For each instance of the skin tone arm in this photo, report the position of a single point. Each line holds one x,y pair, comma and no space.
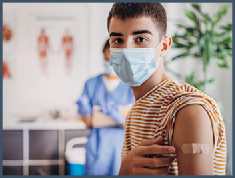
86,120
136,162
193,125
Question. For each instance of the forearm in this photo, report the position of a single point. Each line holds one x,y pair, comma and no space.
86,120
117,116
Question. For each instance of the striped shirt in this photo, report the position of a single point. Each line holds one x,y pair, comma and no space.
154,115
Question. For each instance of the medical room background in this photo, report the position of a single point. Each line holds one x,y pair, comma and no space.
49,51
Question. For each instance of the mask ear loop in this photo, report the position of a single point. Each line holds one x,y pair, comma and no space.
156,48
158,61
159,44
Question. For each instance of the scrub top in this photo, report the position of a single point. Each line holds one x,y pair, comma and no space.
104,146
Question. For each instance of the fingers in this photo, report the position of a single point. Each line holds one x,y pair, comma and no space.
152,162
147,171
154,149
147,142
143,165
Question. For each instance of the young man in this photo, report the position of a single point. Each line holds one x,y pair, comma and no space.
105,95
180,117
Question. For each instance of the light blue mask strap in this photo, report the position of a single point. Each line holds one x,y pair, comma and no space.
158,61
159,44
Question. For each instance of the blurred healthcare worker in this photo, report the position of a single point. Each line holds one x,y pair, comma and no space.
109,94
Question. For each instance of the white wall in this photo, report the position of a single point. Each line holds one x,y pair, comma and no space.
19,97
31,92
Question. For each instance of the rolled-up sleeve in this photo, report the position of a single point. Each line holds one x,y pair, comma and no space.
84,102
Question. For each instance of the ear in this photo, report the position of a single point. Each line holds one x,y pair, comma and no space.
166,45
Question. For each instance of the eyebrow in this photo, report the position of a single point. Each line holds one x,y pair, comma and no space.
141,32
115,34
134,33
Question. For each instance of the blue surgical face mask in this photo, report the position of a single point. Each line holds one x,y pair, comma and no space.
108,68
133,65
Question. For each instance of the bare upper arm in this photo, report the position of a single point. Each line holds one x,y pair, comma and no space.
193,125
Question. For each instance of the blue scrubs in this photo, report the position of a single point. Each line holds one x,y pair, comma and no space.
104,146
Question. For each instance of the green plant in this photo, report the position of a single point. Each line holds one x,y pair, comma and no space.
204,40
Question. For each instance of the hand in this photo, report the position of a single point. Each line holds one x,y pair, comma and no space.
110,107
114,111
137,162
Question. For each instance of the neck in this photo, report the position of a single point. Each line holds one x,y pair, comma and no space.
110,77
155,79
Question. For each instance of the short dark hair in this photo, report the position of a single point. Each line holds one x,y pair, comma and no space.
106,45
134,10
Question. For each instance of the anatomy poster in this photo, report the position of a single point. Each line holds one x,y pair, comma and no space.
67,49
8,37
55,43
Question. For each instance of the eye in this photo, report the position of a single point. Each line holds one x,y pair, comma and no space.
118,40
141,39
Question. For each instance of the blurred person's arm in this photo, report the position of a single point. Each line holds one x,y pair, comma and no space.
84,106
125,110
114,111
86,120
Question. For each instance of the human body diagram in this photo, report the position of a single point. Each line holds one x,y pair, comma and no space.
43,47
5,70
67,46
6,37
6,32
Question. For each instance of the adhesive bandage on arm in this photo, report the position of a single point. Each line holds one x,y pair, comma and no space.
195,148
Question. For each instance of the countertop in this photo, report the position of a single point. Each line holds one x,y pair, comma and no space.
42,124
